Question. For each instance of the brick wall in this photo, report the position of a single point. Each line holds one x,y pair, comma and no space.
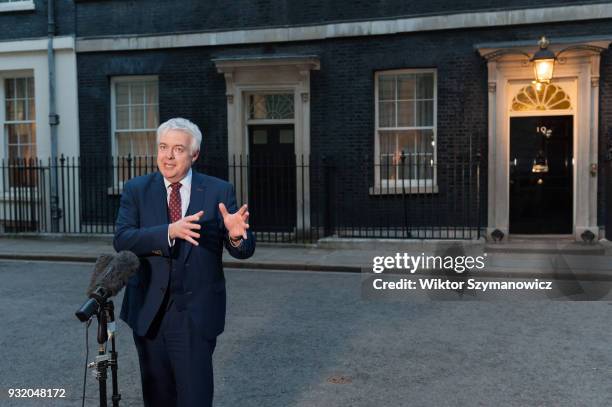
33,23
342,99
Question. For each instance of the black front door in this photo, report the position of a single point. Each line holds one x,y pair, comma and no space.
272,171
541,170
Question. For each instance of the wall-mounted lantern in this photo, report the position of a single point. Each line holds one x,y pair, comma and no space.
543,62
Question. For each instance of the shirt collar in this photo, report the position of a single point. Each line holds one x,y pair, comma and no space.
185,182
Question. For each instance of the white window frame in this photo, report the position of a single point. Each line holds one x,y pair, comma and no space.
17,5
17,122
118,183
12,190
412,186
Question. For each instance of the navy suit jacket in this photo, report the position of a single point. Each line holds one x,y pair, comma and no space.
142,228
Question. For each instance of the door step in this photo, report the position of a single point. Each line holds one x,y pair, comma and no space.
562,244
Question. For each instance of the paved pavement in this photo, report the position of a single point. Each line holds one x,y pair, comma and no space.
303,339
559,259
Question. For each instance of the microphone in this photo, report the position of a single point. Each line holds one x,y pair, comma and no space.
99,269
110,275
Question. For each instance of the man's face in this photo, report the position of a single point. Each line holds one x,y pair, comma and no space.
174,155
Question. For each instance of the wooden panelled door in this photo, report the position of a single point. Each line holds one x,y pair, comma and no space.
272,182
541,175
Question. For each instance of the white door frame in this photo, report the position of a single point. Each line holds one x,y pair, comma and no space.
246,75
569,85
581,67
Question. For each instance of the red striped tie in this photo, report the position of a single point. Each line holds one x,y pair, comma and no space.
174,205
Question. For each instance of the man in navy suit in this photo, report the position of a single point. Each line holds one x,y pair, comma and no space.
178,221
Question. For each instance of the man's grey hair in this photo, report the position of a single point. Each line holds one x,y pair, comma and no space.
178,123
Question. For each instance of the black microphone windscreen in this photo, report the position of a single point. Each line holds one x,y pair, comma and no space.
123,265
101,265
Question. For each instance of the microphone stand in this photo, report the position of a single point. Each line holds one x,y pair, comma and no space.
113,358
104,360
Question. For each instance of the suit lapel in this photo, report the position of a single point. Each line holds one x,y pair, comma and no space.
160,199
196,201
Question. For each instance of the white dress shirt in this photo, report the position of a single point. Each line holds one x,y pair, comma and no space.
185,192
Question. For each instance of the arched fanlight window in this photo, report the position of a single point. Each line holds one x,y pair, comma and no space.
541,97
271,106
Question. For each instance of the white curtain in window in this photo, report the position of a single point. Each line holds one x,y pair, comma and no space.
406,125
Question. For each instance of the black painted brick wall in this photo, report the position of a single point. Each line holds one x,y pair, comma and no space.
33,23
342,103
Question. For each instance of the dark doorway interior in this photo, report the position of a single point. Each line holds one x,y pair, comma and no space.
541,168
272,172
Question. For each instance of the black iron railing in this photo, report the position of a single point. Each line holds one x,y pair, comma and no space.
291,199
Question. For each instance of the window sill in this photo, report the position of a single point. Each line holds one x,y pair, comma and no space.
397,190
10,197
114,191
17,6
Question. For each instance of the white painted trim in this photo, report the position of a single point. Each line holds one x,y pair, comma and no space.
397,190
466,20
568,81
31,56
117,183
581,69
17,6
66,88
287,75
254,122
31,120
25,73
59,43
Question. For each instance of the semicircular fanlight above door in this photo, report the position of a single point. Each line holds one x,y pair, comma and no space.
541,97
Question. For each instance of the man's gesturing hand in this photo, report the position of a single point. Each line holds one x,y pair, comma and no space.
235,223
184,228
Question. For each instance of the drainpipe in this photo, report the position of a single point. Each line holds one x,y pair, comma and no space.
53,121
